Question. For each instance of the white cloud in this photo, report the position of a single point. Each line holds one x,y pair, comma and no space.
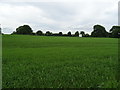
58,15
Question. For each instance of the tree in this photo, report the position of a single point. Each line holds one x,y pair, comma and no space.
39,33
99,31
25,29
76,34
48,33
69,33
60,33
115,32
87,35
0,30
65,35
83,33
33,33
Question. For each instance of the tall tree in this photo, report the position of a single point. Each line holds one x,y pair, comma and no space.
69,33
82,33
99,31
76,34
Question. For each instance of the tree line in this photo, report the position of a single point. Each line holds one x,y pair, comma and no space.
98,31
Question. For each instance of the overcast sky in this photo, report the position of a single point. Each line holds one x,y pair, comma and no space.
58,15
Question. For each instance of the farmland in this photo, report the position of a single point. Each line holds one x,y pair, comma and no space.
59,62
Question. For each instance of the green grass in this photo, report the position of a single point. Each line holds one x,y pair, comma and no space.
59,62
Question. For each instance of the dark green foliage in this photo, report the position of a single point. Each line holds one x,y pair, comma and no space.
33,33
83,33
60,33
115,32
39,33
55,34
25,29
109,34
69,33
76,34
87,35
65,35
48,33
99,31
0,30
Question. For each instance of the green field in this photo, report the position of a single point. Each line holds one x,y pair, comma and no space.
59,62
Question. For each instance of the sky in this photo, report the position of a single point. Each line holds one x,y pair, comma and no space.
58,15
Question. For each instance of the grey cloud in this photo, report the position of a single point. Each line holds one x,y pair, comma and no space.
64,16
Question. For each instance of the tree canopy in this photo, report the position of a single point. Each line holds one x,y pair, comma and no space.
39,33
60,33
76,34
25,29
48,33
115,31
99,31
83,33
69,33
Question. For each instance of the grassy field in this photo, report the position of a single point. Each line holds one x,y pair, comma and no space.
59,62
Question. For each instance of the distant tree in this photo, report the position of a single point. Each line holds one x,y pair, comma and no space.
76,34
33,33
25,29
65,35
48,33
69,33
55,34
60,33
87,35
39,33
109,34
82,33
115,32
99,31
0,30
